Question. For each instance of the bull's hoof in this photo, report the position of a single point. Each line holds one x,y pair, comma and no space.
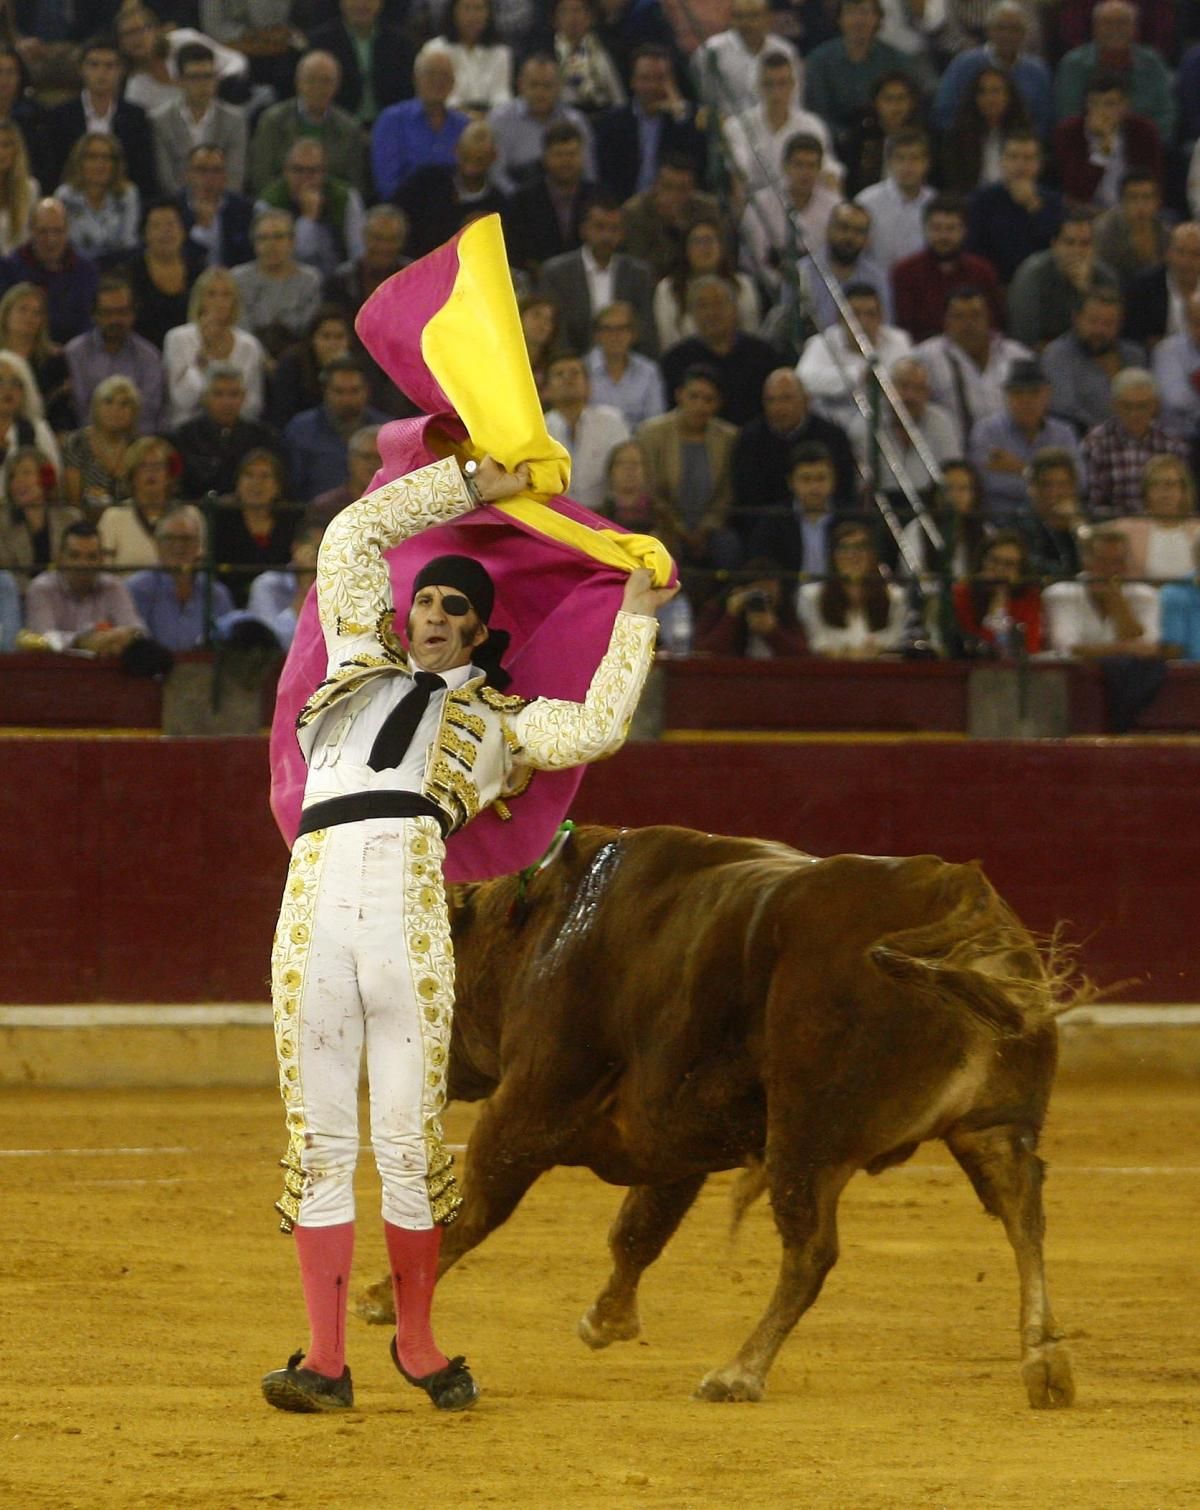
1046,1374
376,1305
725,1386
599,1332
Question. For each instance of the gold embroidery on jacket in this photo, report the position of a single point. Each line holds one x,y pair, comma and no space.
462,749
502,702
471,722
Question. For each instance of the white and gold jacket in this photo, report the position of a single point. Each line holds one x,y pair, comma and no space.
487,745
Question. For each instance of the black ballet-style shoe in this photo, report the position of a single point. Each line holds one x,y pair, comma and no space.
303,1389
450,1388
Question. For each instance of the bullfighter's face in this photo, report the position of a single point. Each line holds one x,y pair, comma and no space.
440,634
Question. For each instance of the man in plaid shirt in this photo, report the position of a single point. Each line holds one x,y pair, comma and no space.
1115,453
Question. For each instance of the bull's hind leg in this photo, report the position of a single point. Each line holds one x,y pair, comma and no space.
1004,1168
805,1201
645,1224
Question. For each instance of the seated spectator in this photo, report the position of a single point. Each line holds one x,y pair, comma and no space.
956,510
27,347
196,117
259,29
1052,528
33,520
705,254
95,457
895,103
1132,236
634,140
374,56
174,599
1002,445
146,57
1046,290
627,499
765,444
544,219
439,200
969,363
217,221
742,362
897,203
1176,368
1010,220
687,453
590,81
112,349
1181,615
797,533
934,425
327,214
10,612
212,334
277,595
973,144
385,231
214,444
776,228
589,431
539,325
1008,27
755,140
316,440
629,30
841,72
103,208
19,191
847,261
99,108
76,606
279,296
311,113
296,382
999,610
756,619
16,428
1157,299
1162,539
162,274
519,126
483,65
618,376
922,283
1102,614
17,102
1114,52
832,367
581,282
417,133
363,456
658,218
1082,363
726,66
1093,151
49,262
127,529
254,531
855,614
1115,453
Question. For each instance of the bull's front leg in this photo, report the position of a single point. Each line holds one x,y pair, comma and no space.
644,1225
1003,1166
805,1202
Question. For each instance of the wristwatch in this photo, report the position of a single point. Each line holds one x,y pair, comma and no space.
470,472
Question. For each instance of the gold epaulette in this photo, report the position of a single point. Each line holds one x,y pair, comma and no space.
502,702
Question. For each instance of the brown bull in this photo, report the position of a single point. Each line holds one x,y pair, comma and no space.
661,1004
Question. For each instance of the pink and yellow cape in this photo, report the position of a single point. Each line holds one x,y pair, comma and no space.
447,331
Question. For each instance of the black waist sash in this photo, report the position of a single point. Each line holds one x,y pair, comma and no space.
361,805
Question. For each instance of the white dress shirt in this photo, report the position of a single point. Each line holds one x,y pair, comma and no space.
897,222
757,150
598,429
734,89
970,393
830,367
1072,620
765,234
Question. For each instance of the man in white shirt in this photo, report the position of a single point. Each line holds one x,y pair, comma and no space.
584,282
589,431
726,66
1100,614
969,362
934,424
768,236
196,119
832,366
756,139
897,202
1176,367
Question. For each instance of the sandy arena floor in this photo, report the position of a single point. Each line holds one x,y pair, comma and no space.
144,1290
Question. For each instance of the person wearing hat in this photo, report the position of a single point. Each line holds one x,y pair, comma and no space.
406,740
1003,445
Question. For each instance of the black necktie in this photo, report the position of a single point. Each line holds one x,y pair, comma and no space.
392,741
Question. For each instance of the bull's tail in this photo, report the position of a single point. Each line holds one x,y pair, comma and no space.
979,957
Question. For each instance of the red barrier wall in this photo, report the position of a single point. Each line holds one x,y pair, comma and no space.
149,869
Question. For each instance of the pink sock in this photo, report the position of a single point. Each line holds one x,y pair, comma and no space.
414,1258
325,1254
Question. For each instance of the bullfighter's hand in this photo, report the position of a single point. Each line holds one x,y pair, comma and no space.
641,596
495,482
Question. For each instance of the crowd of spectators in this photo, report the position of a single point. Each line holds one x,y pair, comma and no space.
197,197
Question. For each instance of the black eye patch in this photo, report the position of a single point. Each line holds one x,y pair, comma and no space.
455,605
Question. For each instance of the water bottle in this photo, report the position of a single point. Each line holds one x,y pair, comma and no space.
676,625
1000,623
